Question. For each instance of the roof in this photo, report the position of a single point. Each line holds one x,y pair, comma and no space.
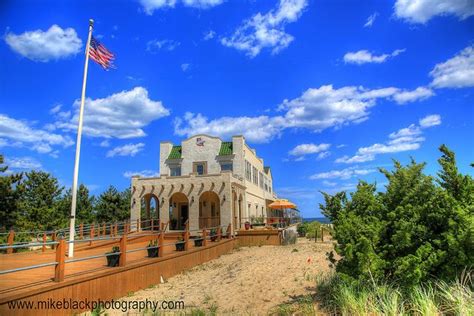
266,169
175,152
226,149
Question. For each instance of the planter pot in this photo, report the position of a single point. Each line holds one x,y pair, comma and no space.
180,246
113,260
198,242
247,225
152,252
213,238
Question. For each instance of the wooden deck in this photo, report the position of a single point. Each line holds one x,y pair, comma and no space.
18,285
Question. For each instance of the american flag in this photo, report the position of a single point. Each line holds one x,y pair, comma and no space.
100,54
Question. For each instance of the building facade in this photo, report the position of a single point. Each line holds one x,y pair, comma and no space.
207,181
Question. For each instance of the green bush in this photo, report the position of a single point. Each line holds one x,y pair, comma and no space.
418,229
309,229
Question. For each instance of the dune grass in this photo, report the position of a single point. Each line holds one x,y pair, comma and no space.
338,295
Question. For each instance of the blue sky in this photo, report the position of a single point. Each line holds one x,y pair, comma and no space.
326,91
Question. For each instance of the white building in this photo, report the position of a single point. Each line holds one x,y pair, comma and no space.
208,181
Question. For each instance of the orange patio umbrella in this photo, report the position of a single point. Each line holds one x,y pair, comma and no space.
281,204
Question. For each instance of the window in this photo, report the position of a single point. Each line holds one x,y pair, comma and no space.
226,166
248,170
260,178
175,171
200,168
255,175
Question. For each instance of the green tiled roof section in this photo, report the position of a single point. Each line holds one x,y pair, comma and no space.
226,149
175,153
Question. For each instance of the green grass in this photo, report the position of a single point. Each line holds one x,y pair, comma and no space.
300,306
343,297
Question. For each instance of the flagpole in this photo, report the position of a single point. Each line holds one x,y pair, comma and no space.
72,230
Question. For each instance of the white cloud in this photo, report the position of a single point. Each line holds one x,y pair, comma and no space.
323,155
306,149
43,46
316,109
297,193
202,4
266,30
345,174
405,139
209,35
329,183
120,115
143,173
324,107
22,134
55,109
23,163
457,72
364,56
151,5
259,129
342,187
184,67
126,150
421,11
105,143
420,93
430,120
371,20
166,44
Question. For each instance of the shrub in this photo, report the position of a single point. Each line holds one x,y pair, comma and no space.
309,229
418,229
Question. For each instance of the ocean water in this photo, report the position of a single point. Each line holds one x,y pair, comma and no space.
323,220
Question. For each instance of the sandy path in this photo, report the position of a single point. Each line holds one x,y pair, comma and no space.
248,281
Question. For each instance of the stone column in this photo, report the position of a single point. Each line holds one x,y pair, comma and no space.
193,212
226,206
135,203
164,208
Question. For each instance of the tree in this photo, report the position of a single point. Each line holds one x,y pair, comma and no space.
84,207
414,231
39,202
10,192
113,205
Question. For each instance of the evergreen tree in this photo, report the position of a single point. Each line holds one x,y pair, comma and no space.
10,192
113,205
39,202
84,207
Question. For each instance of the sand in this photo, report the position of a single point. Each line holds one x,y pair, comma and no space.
248,281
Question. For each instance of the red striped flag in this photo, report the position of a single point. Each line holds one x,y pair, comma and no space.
100,54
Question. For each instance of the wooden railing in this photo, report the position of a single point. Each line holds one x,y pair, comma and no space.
82,231
211,234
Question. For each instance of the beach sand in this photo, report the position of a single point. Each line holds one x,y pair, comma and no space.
248,281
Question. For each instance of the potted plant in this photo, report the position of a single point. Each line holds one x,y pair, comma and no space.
173,223
180,244
152,249
213,234
113,257
198,241
247,225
